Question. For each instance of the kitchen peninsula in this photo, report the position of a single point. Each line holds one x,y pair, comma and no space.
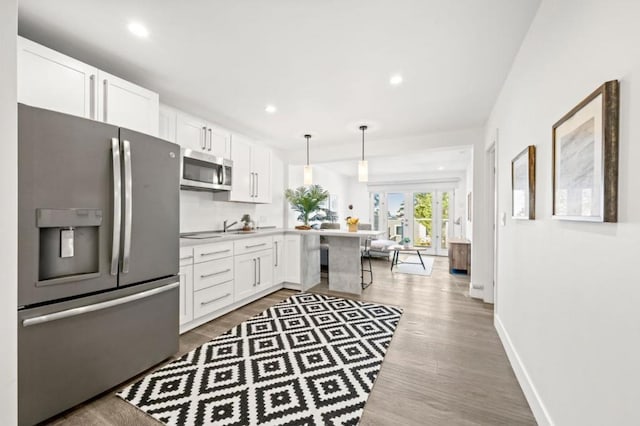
344,257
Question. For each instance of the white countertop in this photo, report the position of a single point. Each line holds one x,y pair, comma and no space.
235,235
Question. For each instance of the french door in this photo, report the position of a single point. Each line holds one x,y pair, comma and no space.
422,217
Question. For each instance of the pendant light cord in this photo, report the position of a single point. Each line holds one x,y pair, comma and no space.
307,137
363,128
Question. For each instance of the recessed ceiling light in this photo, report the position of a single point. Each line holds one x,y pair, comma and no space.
395,80
138,29
270,109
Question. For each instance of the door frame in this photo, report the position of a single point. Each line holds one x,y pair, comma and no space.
490,294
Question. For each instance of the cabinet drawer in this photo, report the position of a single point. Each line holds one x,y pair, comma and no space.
186,256
214,272
211,299
212,251
250,245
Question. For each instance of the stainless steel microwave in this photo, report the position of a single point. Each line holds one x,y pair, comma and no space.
204,172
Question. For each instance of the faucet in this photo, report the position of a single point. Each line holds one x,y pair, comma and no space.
225,227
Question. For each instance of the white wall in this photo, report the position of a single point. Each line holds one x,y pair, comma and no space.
199,212
358,197
8,214
568,294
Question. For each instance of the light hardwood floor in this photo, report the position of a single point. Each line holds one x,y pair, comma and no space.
445,364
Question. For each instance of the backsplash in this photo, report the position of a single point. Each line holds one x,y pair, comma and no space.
198,212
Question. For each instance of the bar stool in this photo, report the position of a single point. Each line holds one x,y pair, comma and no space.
365,256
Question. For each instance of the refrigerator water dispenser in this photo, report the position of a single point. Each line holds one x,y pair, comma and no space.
69,245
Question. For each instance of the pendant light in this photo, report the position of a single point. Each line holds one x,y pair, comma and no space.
363,165
308,173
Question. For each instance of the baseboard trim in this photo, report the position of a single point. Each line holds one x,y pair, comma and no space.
292,286
533,398
476,291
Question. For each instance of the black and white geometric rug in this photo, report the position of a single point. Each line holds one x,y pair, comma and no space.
309,360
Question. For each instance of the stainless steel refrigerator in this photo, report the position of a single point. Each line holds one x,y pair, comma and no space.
98,258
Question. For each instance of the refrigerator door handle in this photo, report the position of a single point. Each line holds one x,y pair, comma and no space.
97,306
117,213
128,211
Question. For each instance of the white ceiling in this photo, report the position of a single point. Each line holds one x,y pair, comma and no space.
417,163
324,64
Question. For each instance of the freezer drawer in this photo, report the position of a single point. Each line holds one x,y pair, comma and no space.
71,351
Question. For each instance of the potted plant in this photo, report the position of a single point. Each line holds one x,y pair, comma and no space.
306,201
246,222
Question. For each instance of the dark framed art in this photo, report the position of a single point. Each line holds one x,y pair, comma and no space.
585,158
523,184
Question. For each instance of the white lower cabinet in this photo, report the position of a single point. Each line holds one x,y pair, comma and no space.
255,273
278,259
186,294
212,298
218,277
186,284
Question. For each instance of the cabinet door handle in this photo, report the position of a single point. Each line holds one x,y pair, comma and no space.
276,244
255,273
255,245
252,185
259,270
186,258
257,185
210,139
214,252
92,96
215,273
208,302
204,138
105,100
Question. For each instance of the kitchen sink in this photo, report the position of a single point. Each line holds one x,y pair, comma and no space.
203,236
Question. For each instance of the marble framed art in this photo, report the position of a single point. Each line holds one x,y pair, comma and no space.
523,184
585,158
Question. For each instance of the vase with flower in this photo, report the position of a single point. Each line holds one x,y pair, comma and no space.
352,223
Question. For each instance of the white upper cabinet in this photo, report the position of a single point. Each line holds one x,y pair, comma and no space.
191,132
51,80
124,104
167,125
241,173
200,135
251,175
261,166
219,142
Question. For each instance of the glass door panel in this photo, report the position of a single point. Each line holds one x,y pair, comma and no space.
395,216
423,219
445,205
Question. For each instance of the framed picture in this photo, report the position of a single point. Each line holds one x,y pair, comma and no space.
585,159
469,207
523,184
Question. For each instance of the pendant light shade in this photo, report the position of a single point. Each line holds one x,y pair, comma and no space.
363,165
308,172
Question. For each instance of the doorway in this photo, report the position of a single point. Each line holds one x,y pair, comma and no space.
421,216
